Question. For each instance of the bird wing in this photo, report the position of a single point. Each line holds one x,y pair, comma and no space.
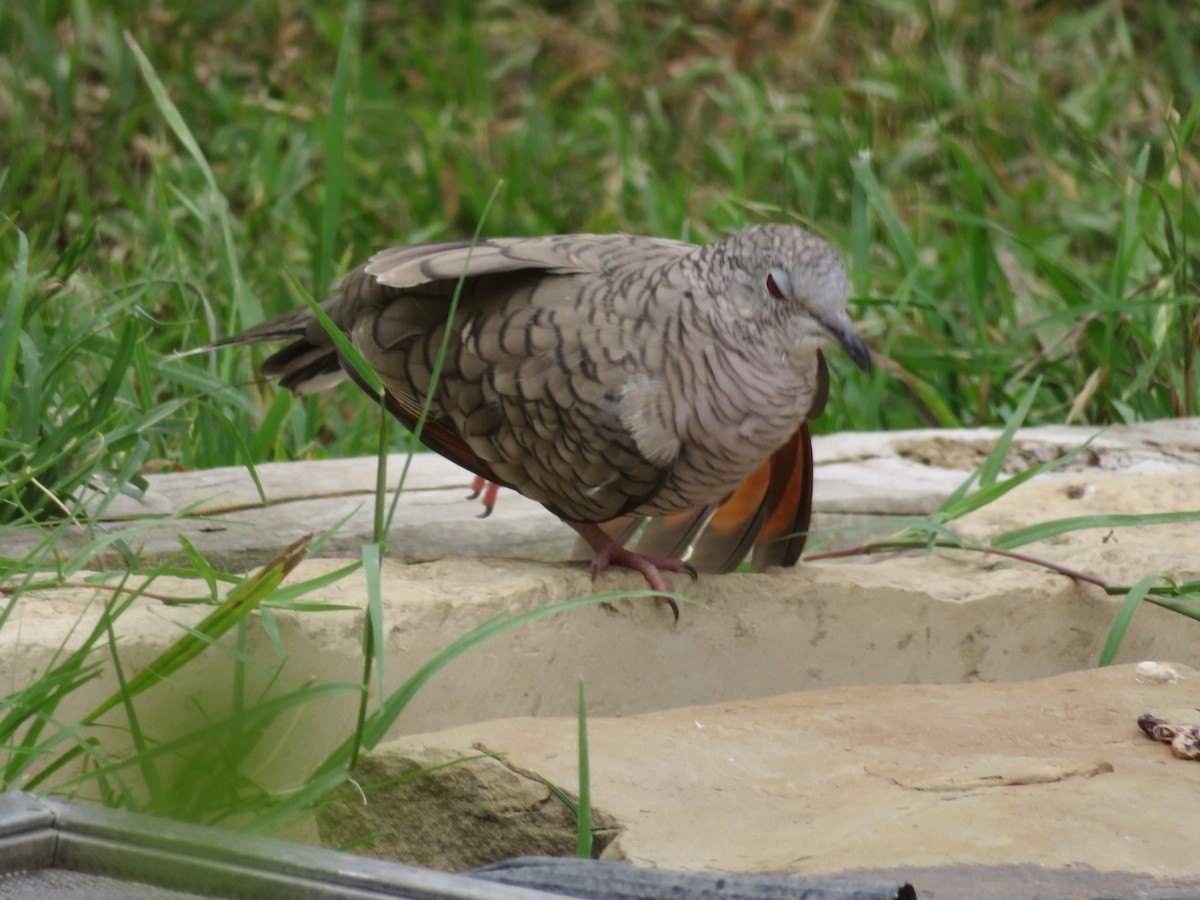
781,538
535,391
412,265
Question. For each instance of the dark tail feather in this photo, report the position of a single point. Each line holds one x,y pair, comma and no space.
670,536
291,324
305,368
735,525
781,540
769,512
310,363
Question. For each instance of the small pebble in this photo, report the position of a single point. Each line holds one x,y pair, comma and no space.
1156,673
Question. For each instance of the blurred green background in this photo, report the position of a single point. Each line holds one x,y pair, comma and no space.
1012,185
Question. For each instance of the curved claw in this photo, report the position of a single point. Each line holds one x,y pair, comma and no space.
478,483
609,552
489,490
674,607
670,601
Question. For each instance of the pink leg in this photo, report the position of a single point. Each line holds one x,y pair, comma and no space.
489,489
610,553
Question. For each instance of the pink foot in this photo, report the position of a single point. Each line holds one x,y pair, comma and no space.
610,553
489,489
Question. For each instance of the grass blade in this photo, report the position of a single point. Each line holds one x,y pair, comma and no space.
335,145
14,312
363,374
436,372
1041,531
955,505
1123,619
242,600
583,818
244,300
993,465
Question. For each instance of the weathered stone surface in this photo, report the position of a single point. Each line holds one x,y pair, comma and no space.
861,479
887,619
948,617
221,512
911,472
500,811
1051,772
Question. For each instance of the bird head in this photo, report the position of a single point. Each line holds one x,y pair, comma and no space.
783,278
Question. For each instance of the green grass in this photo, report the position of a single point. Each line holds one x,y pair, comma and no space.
1013,186
1015,191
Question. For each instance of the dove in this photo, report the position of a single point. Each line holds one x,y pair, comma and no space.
609,377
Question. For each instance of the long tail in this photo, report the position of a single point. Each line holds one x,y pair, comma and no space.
310,362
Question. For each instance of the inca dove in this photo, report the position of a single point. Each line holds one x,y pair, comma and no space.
604,376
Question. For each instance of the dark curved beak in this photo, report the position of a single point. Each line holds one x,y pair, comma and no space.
841,329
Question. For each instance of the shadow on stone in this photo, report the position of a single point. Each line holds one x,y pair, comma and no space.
468,813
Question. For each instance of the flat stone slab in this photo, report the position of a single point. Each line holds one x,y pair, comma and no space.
861,478
1040,778
947,617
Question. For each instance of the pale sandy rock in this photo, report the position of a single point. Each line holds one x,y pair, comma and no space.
862,479
883,621
1052,772
949,617
911,472
886,619
222,512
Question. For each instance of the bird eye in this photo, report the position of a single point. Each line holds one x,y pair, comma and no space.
773,288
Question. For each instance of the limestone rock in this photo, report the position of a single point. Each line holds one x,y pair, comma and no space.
947,617
886,619
862,480
1051,773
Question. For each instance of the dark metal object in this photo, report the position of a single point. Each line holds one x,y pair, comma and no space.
58,850
55,850
601,880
